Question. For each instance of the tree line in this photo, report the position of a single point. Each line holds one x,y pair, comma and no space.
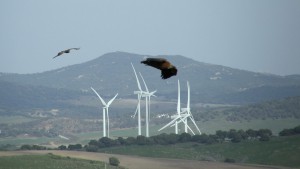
234,136
220,136
290,132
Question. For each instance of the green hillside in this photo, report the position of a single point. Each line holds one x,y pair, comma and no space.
49,161
112,72
280,151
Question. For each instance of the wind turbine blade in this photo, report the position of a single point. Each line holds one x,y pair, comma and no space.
188,100
111,100
192,119
137,107
137,80
187,125
170,123
135,111
152,93
144,82
178,100
102,101
182,118
190,129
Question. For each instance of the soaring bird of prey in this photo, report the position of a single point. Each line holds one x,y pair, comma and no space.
167,69
65,51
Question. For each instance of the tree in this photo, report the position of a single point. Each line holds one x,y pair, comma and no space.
264,137
262,132
234,136
141,140
26,147
221,135
297,130
114,161
75,147
243,134
93,143
287,132
106,141
185,137
172,138
62,147
130,141
91,148
251,133
121,140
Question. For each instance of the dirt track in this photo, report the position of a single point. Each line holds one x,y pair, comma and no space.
133,162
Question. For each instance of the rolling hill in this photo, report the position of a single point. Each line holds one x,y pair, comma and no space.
112,73
61,99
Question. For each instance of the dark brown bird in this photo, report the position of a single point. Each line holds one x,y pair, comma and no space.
167,69
65,51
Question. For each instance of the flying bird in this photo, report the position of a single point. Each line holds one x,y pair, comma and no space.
65,51
167,69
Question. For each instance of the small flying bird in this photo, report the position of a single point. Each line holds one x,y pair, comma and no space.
65,51
167,69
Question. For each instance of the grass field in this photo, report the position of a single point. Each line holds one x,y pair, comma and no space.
135,162
208,127
14,119
49,161
281,151
26,140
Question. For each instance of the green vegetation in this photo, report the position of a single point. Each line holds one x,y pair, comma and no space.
281,151
287,108
26,140
274,115
49,161
15,119
114,161
168,139
290,132
250,146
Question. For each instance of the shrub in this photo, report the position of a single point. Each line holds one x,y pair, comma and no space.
91,148
229,160
114,161
62,147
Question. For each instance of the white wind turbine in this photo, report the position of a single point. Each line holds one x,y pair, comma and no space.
182,115
179,117
188,113
147,96
105,110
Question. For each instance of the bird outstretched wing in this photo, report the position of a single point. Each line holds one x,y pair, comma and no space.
65,51
159,63
167,69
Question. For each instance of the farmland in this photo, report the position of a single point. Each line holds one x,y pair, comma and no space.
279,151
49,161
135,162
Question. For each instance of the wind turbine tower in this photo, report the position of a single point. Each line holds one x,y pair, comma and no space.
187,110
178,117
105,112
142,94
182,115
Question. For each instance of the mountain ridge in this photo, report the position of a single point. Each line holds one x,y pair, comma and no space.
112,73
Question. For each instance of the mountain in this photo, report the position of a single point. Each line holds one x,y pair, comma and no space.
112,73
61,100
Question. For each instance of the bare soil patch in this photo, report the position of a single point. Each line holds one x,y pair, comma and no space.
135,162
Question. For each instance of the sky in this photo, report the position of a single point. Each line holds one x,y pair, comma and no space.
255,35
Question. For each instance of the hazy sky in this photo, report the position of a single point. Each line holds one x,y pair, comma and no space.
255,35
